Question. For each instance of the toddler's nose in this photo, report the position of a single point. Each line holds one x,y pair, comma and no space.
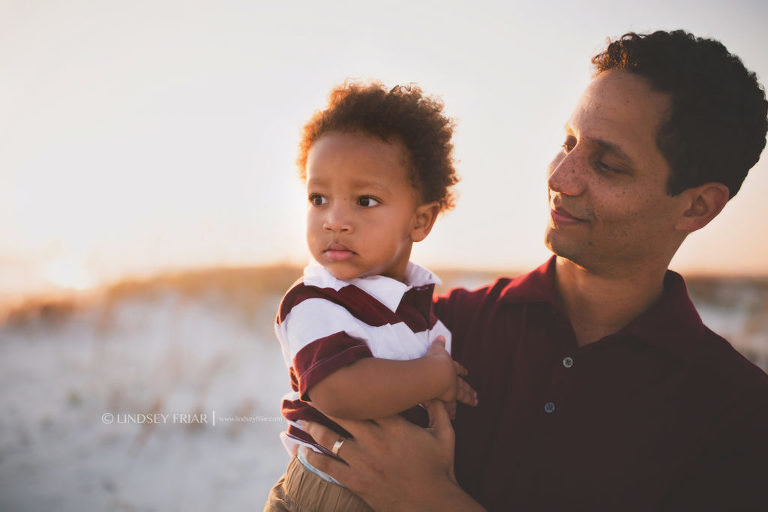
337,222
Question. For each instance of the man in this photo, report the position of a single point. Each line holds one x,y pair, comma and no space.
599,387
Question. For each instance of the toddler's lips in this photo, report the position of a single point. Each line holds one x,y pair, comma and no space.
338,252
335,255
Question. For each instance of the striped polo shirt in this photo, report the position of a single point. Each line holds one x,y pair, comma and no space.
324,324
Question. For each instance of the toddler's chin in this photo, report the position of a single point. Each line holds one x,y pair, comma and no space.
344,274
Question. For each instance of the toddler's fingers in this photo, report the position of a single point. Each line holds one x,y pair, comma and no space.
465,394
460,370
437,347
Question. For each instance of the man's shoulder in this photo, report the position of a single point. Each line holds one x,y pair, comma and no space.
491,291
534,286
461,301
717,359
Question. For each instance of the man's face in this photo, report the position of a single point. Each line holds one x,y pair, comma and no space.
609,208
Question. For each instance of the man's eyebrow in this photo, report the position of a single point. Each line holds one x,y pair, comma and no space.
608,146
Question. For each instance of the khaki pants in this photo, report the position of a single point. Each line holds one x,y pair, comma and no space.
300,490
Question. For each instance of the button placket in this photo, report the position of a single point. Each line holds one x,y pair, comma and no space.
567,362
559,387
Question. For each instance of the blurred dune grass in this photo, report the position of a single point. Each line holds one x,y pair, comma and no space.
243,289
735,307
246,288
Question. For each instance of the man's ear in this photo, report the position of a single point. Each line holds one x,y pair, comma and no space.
704,203
423,220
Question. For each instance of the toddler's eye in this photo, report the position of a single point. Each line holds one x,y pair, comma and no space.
368,201
317,200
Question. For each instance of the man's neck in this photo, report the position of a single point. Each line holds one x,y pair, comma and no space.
599,305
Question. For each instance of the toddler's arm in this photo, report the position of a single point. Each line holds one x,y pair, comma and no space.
374,388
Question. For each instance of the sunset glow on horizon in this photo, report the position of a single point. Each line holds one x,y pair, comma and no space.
146,136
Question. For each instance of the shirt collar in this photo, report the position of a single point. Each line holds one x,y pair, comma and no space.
386,290
536,286
671,323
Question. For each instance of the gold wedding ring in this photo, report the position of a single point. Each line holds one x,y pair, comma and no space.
337,446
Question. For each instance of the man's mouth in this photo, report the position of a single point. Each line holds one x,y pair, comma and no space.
562,216
338,252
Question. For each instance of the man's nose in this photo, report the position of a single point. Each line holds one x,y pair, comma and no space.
338,220
566,173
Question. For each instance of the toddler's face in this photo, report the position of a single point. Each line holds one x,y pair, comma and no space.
362,206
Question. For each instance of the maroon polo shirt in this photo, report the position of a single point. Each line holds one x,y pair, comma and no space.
662,415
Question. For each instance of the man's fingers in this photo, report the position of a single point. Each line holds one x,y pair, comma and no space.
364,431
440,426
439,422
334,467
333,443
451,408
324,436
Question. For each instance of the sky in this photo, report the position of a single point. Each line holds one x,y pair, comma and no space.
138,137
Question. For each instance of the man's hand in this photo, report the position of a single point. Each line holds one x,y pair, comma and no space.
459,390
393,464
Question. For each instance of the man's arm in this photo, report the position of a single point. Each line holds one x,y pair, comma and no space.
374,388
395,465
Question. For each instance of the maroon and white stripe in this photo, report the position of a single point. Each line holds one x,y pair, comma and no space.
324,324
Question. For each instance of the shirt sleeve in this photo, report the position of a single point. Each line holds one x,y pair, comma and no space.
319,337
448,308
458,310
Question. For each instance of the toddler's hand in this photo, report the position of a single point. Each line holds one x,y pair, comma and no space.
459,389
437,349
464,392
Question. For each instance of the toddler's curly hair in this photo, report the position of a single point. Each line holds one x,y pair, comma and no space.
400,114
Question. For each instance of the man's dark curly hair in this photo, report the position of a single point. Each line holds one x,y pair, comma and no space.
715,130
401,114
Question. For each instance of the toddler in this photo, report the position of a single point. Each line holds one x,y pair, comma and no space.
357,329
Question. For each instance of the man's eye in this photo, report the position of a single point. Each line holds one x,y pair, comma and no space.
368,201
569,144
317,200
607,168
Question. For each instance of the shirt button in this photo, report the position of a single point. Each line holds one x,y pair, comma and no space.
568,362
549,407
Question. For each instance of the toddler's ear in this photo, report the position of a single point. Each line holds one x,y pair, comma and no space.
423,220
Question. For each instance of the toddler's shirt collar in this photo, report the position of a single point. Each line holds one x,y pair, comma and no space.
386,290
